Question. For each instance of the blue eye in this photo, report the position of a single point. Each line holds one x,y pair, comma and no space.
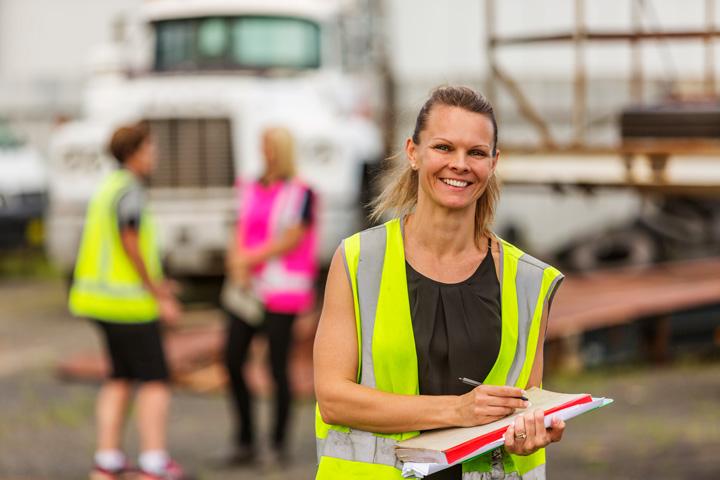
441,147
478,153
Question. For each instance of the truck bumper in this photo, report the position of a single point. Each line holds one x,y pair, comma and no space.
193,234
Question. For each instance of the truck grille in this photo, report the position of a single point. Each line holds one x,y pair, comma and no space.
195,152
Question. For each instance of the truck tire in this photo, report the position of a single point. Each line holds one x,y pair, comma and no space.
632,247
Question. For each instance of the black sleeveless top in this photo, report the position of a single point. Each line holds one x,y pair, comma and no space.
457,328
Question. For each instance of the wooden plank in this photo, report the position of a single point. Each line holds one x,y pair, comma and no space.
194,356
670,146
691,174
603,299
604,35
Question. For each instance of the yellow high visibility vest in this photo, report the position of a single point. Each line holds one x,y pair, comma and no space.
106,285
387,360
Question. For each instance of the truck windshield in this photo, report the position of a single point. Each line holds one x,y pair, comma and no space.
7,138
236,43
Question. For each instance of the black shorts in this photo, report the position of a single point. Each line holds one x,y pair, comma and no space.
135,351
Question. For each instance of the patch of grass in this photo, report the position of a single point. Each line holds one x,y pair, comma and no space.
599,377
28,263
44,412
73,413
593,379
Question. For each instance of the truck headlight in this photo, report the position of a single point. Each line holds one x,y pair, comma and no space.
80,160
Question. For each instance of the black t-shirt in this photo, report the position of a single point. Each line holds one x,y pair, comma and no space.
308,209
457,329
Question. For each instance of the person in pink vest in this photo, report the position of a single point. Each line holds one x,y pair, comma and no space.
273,255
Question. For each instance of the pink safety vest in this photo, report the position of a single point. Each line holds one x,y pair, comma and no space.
286,283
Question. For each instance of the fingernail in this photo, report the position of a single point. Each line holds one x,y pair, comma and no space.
526,404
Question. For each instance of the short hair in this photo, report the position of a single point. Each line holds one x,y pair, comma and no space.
127,140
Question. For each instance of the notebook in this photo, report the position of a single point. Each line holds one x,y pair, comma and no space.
452,445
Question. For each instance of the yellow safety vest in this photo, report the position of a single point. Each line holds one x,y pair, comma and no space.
387,360
106,285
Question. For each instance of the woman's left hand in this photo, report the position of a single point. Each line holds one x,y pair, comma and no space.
529,434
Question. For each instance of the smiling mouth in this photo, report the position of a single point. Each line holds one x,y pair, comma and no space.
455,183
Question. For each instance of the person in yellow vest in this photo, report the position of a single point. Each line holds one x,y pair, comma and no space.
428,297
118,284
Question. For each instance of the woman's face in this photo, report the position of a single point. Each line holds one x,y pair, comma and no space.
145,157
454,159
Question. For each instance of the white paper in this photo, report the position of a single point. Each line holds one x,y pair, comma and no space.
420,470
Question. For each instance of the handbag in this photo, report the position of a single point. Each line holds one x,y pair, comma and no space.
241,302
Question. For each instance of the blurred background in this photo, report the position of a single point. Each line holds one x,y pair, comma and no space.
609,126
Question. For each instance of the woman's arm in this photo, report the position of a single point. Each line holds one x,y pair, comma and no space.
343,401
276,247
238,258
235,265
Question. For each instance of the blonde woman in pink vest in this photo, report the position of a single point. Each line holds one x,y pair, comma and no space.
273,256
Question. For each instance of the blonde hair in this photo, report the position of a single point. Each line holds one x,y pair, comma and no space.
283,145
399,194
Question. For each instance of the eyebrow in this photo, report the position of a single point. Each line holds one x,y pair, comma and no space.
448,141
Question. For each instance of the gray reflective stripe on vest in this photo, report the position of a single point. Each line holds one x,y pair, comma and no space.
369,274
359,446
528,282
537,473
101,288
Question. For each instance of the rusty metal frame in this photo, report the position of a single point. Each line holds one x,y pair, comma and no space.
580,36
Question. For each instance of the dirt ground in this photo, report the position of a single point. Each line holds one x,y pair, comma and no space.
664,424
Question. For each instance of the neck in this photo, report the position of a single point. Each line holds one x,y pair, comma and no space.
269,178
132,168
441,231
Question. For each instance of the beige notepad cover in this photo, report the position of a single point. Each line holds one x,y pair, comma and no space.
432,446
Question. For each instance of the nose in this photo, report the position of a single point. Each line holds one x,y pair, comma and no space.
458,162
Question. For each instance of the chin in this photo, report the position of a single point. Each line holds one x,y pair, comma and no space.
456,205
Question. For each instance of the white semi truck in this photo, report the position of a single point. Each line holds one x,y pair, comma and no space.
209,76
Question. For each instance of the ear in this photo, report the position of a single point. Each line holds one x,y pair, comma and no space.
495,160
410,152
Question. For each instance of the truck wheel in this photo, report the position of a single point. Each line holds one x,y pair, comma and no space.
626,248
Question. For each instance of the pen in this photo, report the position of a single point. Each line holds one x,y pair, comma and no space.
475,383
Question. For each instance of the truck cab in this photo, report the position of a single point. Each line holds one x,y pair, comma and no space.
209,76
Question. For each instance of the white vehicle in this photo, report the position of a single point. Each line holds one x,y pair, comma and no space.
23,184
211,75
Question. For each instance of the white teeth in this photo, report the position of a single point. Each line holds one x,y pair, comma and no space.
454,183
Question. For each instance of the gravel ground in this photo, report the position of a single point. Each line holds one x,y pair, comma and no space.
664,424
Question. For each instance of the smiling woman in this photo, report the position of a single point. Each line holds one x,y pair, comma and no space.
428,297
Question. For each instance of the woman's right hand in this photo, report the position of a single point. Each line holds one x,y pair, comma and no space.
239,271
487,403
